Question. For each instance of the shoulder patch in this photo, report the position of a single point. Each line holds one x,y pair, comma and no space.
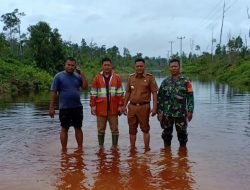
132,74
189,87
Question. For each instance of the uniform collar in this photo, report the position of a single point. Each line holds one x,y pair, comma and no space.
112,72
143,75
179,76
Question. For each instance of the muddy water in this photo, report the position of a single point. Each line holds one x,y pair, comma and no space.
217,155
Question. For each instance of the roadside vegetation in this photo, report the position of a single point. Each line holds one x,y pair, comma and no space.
230,64
30,59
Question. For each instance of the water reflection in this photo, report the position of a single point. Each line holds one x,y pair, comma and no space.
175,172
219,142
40,101
139,175
108,174
248,123
71,176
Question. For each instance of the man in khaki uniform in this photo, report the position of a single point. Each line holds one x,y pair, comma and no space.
139,88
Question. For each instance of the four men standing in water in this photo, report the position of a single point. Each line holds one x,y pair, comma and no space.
174,105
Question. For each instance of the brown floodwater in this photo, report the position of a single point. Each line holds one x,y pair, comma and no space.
217,154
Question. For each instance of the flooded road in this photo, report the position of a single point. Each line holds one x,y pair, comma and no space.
217,154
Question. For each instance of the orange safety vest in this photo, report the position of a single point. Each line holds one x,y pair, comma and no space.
98,94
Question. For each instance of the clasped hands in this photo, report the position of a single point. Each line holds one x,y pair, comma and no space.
125,112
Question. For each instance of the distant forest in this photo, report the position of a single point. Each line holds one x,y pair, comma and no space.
41,49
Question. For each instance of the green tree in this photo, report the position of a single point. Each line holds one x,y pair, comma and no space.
113,52
238,43
198,49
92,50
47,47
126,52
12,26
138,55
4,46
127,58
235,44
218,49
114,55
57,50
84,52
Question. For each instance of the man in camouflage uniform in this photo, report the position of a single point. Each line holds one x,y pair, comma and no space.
175,104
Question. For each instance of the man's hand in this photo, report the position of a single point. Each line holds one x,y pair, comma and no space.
189,116
93,110
124,110
51,112
160,116
52,103
153,112
120,110
78,70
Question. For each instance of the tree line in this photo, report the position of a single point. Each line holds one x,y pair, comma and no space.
42,47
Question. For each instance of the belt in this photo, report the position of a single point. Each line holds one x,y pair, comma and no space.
139,104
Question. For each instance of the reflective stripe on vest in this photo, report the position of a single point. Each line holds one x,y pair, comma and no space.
102,92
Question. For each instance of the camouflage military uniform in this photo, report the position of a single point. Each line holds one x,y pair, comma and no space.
175,99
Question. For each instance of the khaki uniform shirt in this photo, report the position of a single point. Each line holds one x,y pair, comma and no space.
141,87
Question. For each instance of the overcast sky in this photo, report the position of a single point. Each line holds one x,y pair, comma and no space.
145,26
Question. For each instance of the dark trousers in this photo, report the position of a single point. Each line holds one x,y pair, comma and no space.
167,125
